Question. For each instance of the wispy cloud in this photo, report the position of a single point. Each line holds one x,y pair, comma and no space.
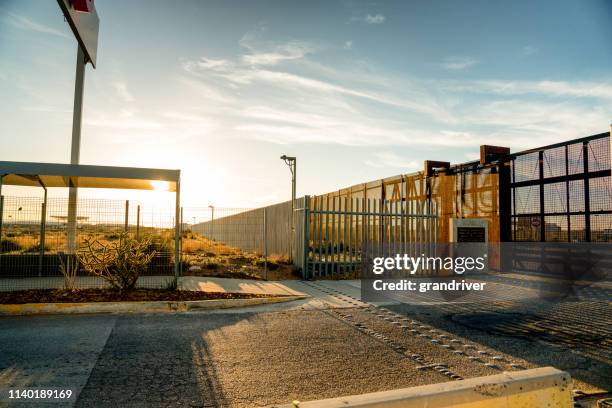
388,159
578,89
348,45
528,50
123,92
24,23
305,101
458,63
266,53
374,19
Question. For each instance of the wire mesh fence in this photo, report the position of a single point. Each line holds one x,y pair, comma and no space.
33,239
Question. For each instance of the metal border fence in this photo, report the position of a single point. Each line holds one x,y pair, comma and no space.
340,234
563,192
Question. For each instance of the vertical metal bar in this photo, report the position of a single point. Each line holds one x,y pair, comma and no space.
265,241
346,234
326,234
181,241
411,235
542,209
334,240
138,221
513,202
320,213
436,237
306,267
587,194
314,232
567,195
339,235
374,232
368,232
75,148
1,209
397,227
43,227
127,215
1,212
352,247
177,233
361,221
381,208
402,226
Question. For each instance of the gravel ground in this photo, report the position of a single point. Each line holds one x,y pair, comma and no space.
301,350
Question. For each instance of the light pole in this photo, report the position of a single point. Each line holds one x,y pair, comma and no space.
212,221
291,162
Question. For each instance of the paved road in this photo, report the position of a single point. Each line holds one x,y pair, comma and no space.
330,345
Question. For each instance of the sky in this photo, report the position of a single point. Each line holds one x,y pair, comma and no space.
357,91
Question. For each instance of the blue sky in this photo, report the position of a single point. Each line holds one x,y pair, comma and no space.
356,90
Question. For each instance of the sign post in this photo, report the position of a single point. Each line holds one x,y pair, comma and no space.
83,19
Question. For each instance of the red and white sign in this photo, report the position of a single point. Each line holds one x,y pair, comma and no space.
536,222
84,22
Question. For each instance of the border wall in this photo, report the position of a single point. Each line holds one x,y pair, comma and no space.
479,189
265,230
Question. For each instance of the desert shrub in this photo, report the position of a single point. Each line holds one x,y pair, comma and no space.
119,263
69,267
155,243
8,245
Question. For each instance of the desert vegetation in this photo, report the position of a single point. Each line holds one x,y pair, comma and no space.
201,256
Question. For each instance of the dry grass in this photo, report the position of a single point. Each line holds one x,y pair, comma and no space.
201,256
206,257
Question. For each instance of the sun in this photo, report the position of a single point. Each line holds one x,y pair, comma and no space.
160,185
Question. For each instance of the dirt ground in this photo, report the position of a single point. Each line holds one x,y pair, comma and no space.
209,258
109,295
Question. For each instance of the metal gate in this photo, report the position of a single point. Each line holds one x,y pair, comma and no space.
562,192
339,232
561,201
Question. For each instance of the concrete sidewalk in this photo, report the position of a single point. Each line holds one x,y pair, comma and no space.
226,285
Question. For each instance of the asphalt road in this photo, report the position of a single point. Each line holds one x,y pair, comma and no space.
327,346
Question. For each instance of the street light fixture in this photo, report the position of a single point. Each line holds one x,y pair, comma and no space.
212,222
291,162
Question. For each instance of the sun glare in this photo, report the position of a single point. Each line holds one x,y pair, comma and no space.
160,185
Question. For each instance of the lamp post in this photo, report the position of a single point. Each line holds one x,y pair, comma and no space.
212,221
291,162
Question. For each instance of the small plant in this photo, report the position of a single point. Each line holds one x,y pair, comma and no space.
119,263
69,267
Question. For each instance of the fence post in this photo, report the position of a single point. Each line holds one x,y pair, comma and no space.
127,214
43,227
306,239
265,239
1,217
138,222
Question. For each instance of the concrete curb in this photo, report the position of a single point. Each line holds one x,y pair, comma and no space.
535,388
137,307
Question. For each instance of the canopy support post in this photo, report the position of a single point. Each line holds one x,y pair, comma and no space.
177,231
43,228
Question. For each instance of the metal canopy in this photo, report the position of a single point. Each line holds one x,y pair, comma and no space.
86,176
47,175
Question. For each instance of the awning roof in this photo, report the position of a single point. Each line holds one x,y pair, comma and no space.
86,176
